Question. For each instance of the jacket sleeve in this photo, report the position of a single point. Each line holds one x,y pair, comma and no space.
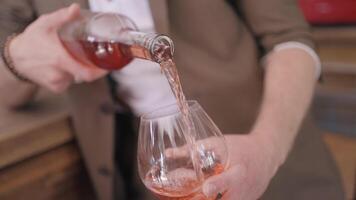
15,15
275,21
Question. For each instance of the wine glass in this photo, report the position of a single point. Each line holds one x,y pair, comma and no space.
176,157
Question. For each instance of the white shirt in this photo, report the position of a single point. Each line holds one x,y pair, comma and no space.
141,83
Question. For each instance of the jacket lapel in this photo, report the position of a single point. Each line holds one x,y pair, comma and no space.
160,15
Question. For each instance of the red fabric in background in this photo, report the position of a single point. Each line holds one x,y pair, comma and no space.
329,11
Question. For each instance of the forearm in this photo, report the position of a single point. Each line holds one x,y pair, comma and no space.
15,93
289,85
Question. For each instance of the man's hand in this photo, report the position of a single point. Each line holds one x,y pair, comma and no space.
39,55
255,158
253,163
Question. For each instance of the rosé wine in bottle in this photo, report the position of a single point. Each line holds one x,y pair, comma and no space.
110,41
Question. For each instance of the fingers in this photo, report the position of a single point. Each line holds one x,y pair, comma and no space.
65,62
50,65
211,143
228,180
198,197
60,17
177,152
56,81
80,72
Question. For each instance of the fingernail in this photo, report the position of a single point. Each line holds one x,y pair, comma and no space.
219,196
72,6
210,190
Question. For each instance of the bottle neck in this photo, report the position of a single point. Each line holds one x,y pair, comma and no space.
151,46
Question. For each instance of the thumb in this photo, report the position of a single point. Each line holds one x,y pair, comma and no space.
224,181
62,16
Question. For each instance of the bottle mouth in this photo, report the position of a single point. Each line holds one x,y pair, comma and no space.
161,48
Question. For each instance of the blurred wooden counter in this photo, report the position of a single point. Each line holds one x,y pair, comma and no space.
337,49
343,149
38,157
339,35
33,130
336,98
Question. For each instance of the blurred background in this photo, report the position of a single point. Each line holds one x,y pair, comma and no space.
39,156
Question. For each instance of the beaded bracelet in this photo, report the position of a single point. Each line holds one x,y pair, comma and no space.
9,63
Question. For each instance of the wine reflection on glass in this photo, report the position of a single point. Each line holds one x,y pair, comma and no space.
174,160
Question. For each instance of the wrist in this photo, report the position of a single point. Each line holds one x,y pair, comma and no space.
277,132
274,145
9,58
